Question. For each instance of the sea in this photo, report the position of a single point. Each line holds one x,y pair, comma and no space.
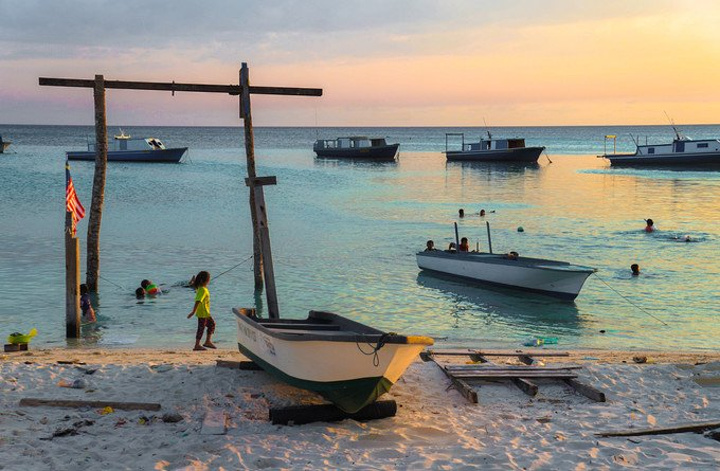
344,237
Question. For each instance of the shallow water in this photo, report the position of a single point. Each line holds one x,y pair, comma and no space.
344,237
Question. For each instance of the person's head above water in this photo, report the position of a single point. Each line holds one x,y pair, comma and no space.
140,293
482,212
145,283
461,213
635,269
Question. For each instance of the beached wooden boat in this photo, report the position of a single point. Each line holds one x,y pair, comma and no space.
549,277
492,150
356,147
348,363
124,148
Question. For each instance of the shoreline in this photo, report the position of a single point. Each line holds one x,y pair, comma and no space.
435,427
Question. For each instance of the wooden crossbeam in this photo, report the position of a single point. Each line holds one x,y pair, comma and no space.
525,385
467,391
178,87
512,375
497,353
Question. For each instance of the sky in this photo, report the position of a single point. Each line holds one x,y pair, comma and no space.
379,63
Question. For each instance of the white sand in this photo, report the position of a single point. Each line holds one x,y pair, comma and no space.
435,427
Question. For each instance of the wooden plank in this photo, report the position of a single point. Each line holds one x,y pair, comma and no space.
33,402
258,181
526,359
495,367
214,423
525,385
587,390
510,375
305,414
466,390
179,87
240,365
498,353
16,347
683,428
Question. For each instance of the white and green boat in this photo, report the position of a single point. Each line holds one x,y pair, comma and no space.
348,363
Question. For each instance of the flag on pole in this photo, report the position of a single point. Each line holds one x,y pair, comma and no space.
72,203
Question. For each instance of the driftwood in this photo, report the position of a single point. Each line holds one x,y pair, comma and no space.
586,390
684,428
33,402
305,414
240,365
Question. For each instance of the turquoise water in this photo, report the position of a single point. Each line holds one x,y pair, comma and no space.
344,237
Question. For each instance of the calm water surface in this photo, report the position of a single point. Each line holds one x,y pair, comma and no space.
344,237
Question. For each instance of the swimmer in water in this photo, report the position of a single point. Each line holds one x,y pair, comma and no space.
635,268
650,225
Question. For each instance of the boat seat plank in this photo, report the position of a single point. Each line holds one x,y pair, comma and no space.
298,326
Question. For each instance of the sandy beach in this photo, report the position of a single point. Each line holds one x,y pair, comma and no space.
435,427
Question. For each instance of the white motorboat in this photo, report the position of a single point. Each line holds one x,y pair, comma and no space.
124,148
492,150
550,277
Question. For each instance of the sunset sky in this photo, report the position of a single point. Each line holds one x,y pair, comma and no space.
380,63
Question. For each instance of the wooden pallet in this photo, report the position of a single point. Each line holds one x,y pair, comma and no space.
520,375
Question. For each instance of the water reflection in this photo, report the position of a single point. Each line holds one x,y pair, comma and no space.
326,162
505,303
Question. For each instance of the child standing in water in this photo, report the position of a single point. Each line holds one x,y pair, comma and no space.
201,309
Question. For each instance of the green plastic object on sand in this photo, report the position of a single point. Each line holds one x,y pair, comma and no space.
17,338
539,341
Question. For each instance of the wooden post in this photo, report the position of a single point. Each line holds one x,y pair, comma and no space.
246,115
98,190
72,281
256,186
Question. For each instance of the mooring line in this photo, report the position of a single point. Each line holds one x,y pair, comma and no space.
628,300
231,269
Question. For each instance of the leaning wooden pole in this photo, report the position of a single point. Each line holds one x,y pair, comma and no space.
98,190
72,280
246,115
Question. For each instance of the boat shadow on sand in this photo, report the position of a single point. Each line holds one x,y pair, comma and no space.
503,302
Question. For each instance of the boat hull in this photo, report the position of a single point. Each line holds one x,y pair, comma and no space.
340,366
368,153
665,160
520,154
149,156
552,278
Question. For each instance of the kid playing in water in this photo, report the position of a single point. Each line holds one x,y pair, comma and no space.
88,313
201,309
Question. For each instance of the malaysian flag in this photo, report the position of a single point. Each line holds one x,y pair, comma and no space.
72,203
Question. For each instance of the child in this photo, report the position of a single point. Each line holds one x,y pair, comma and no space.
149,287
650,225
635,268
88,313
202,310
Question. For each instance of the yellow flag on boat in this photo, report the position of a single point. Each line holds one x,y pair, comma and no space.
610,136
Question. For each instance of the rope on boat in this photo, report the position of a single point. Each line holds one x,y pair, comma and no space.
375,348
628,300
546,155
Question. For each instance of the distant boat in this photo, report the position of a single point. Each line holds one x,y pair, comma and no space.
682,152
356,147
124,148
492,150
4,145
549,277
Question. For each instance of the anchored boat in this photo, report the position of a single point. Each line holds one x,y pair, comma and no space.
348,363
124,148
550,277
682,152
492,150
356,147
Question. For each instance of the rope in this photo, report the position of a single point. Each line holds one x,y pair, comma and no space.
628,300
112,283
375,348
230,269
546,155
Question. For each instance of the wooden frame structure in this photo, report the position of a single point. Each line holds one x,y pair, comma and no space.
243,90
521,375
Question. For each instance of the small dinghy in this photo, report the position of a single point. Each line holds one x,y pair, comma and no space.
348,363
